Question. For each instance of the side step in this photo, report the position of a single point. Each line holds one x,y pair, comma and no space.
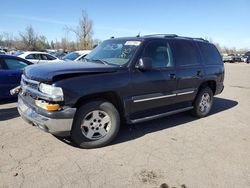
161,115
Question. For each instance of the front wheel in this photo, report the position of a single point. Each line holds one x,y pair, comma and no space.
203,102
96,124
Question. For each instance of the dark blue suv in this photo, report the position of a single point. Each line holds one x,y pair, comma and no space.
130,80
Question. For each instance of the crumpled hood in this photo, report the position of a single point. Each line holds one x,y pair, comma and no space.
45,72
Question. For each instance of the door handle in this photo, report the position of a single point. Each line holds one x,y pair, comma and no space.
172,76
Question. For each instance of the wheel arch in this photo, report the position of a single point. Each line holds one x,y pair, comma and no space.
110,96
208,83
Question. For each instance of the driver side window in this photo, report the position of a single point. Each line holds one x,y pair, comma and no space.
160,53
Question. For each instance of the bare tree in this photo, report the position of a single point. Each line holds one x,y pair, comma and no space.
29,38
83,32
8,39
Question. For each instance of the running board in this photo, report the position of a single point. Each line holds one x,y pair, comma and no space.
161,115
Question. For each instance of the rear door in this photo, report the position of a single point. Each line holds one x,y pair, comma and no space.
189,69
154,88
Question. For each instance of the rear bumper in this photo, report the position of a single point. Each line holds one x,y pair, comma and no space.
57,124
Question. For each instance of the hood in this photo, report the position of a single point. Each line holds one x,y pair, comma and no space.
45,72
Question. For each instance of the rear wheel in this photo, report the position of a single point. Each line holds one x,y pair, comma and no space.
203,102
96,124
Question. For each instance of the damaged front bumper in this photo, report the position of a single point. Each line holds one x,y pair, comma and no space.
57,123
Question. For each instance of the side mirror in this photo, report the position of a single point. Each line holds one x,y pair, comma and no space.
144,64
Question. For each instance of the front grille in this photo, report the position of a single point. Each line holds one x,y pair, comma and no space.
31,88
29,83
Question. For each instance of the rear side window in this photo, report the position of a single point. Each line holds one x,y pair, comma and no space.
185,53
33,56
47,57
210,54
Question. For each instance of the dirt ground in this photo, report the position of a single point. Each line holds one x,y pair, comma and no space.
177,151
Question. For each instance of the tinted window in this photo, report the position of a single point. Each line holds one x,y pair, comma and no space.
185,53
13,64
160,53
210,53
47,57
33,56
50,57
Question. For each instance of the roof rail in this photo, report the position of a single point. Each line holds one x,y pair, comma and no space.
201,39
162,35
191,38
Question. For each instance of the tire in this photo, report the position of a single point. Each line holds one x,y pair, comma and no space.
95,124
203,102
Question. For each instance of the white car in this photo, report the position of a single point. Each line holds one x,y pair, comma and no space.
76,55
39,57
2,52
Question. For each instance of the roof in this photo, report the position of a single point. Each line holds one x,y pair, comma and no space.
35,52
157,36
8,56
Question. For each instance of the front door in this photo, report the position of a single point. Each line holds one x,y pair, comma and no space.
153,88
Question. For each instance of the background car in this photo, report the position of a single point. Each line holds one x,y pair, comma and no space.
231,58
2,52
11,68
76,55
39,57
244,58
248,60
59,55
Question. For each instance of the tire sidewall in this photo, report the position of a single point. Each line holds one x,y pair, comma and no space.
77,134
196,110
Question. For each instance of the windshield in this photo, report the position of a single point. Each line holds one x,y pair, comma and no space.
115,52
71,56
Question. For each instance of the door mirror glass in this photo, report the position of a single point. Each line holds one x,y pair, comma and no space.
144,63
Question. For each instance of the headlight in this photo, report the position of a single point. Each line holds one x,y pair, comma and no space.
50,90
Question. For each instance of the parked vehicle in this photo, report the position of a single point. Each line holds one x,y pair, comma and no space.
244,58
76,56
59,55
11,69
39,57
248,60
247,53
17,52
125,79
231,58
2,52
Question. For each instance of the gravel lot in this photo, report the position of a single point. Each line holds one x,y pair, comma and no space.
177,151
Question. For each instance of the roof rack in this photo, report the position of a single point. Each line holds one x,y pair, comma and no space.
191,38
161,35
